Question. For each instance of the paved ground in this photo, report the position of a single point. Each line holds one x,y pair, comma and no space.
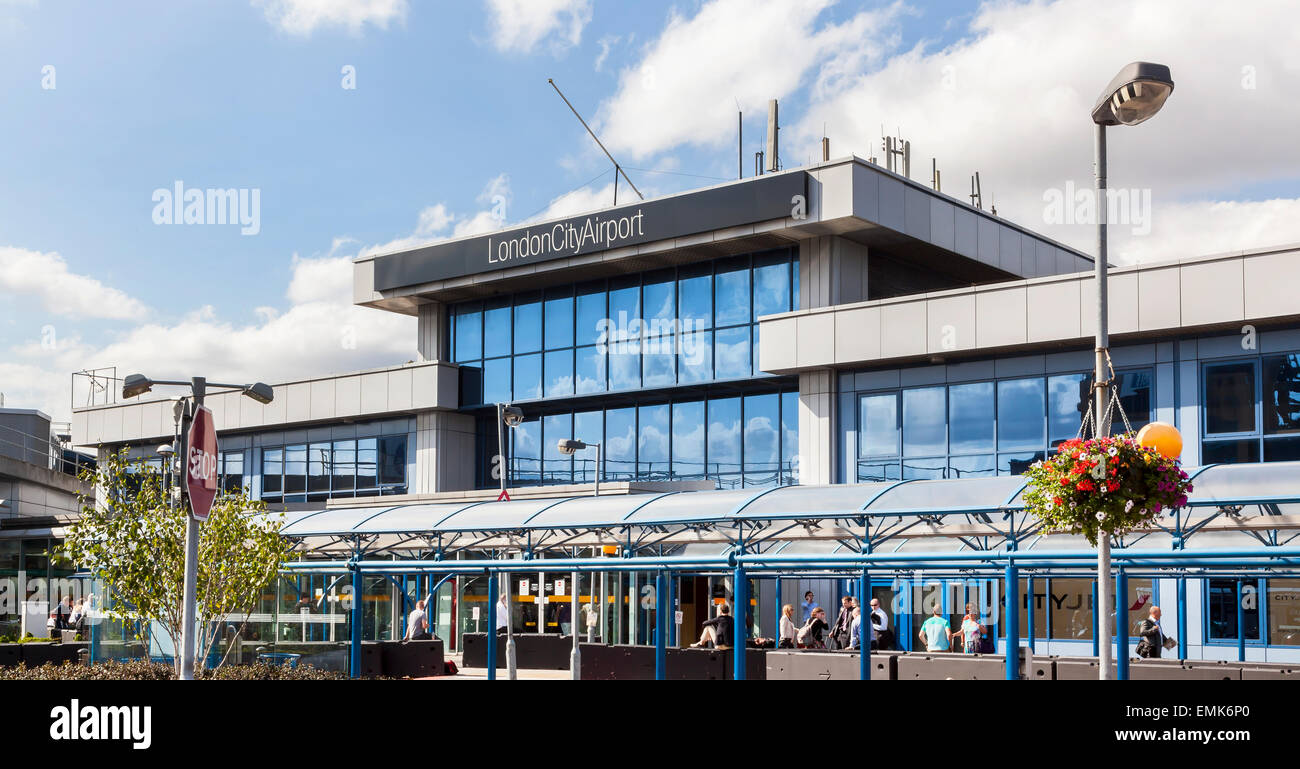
480,674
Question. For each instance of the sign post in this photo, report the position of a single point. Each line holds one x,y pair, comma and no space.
200,468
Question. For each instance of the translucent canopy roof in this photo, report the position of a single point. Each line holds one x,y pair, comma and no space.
1244,484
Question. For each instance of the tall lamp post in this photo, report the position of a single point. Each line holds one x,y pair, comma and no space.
138,384
512,417
568,448
1133,96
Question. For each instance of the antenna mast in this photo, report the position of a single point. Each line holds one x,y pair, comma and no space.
618,169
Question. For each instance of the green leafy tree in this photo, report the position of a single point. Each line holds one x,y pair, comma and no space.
133,540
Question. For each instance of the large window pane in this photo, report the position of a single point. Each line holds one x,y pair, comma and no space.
1021,414
1018,463
1282,449
762,440
1071,609
496,328
924,469
1229,452
659,298
970,418
295,470
1281,380
1067,399
496,381
1284,612
652,444
1135,392
528,376
1140,599
590,374
771,284
272,472
1221,598
319,462
1038,601
688,439
731,292
559,322
556,467
975,466
695,297
344,475
590,313
624,367
732,353
872,470
625,302
878,429
695,363
526,451
1230,398
392,463
925,430
469,333
367,466
528,323
559,373
620,437
588,427
789,435
724,441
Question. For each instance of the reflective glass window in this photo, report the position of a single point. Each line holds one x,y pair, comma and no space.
1021,414
295,469
528,323
771,285
367,466
528,376
392,463
496,381
526,450
1221,599
469,332
1017,463
654,436
319,461
1281,381
688,439
1134,389
344,471
1230,398
695,360
1067,402
731,292
925,429
558,369
731,353
272,472
559,322
878,428
621,440
724,440
588,427
589,376
970,418
625,366
973,466
496,328
924,469
590,313
1070,607
695,297
762,439
789,434
1283,599
556,466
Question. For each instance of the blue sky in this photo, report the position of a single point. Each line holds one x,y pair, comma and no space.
451,101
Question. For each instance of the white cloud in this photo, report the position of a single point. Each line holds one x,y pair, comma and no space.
302,17
607,44
519,26
45,276
685,89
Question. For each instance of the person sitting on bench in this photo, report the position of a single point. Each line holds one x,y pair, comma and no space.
717,631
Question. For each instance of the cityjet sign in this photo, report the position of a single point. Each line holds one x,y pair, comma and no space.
567,238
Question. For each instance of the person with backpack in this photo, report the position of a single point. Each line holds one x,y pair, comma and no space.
813,634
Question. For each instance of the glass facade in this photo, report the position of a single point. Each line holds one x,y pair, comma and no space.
971,429
309,472
1252,409
735,440
677,326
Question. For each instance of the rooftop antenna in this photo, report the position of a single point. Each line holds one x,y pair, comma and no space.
773,126
740,141
976,198
617,168
934,175
897,149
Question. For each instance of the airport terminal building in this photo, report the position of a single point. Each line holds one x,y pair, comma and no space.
831,325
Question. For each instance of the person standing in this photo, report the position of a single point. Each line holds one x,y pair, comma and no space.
503,607
812,634
936,634
971,630
1154,641
880,633
417,623
786,638
855,629
808,605
840,630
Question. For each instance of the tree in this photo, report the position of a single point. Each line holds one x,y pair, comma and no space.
133,540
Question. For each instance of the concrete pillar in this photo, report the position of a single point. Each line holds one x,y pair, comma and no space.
430,331
444,452
817,427
832,270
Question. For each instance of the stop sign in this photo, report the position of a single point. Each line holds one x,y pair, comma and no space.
201,464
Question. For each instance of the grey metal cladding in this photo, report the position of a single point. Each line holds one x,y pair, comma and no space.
943,232
967,237
891,203
1009,246
732,205
916,214
988,240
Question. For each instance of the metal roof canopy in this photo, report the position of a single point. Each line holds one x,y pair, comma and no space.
970,513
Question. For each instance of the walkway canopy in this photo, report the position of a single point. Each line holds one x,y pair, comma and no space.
1261,501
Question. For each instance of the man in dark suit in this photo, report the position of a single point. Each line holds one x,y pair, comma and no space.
843,623
1153,637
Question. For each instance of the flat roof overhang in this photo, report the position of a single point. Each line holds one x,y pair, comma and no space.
851,198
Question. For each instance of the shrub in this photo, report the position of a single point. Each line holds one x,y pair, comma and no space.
140,670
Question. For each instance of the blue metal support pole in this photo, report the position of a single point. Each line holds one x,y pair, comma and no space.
1182,618
1241,625
663,605
864,626
1095,648
493,597
354,663
1012,601
1031,606
776,625
1121,625
740,594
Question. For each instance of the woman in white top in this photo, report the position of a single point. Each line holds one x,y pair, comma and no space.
788,633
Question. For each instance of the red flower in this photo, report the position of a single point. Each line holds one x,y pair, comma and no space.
1085,486
1112,486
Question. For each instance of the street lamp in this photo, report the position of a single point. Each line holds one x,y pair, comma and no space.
138,384
1132,97
512,417
569,447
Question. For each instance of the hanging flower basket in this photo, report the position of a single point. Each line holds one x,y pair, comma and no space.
1112,484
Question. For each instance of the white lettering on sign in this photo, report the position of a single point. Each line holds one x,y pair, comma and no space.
202,464
567,237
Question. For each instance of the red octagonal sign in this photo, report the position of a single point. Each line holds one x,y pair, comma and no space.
201,464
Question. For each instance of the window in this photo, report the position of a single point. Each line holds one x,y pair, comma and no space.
392,464
559,319
970,418
231,471
528,323
588,427
1022,404
1239,430
1230,398
1070,609
925,426
295,473
556,466
1283,608
620,435
367,467
1221,601
272,473
762,440
724,441
688,440
653,438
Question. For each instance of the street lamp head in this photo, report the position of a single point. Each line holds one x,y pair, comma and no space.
166,450
136,384
513,415
569,447
1134,95
261,392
